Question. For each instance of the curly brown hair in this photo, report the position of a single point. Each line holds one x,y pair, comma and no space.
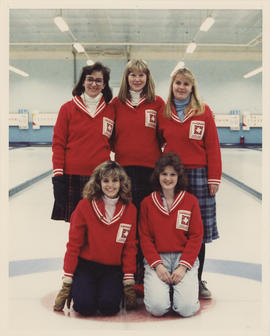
173,160
92,189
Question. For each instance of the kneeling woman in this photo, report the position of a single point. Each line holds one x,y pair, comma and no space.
171,233
101,251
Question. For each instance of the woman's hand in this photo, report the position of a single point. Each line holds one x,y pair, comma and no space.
163,274
178,274
213,189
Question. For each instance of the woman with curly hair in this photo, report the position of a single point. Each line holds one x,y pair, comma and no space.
101,252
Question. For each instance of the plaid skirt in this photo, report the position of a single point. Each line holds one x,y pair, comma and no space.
198,186
75,185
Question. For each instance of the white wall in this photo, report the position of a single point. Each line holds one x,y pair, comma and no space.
220,84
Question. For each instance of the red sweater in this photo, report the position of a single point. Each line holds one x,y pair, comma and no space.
92,238
80,142
179,230
195,140
135,139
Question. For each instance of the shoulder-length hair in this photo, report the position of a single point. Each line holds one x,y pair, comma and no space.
195,102
92,189
173,160
88,70
149,89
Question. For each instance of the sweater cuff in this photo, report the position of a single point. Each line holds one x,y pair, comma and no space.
156,263
214,181
185,263
67,278
58,171
128,279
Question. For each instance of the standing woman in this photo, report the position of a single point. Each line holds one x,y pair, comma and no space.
81,138
135,139
188,129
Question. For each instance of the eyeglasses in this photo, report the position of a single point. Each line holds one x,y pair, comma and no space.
91,80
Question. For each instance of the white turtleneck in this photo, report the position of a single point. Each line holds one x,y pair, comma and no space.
91,103
135,97
110,205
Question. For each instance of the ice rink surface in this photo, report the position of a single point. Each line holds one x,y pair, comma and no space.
233,268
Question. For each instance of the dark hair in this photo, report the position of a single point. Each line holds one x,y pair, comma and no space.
92,189
87,70
173,160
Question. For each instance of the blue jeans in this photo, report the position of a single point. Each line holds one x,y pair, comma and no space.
185,295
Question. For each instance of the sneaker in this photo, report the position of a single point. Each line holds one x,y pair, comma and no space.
204,292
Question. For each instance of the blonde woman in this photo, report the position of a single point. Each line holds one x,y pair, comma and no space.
188,129
101,252
135,141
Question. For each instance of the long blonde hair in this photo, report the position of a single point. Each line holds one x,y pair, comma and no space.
92,189
149,88
195,102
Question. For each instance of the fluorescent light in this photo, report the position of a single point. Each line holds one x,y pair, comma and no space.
191,47
90,62
78,47
18,71
61,23
207,24
253,72
180,65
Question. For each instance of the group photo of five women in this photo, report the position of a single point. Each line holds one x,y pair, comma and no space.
136,178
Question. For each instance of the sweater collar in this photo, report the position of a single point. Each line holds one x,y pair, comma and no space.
81,105
99,209
156,197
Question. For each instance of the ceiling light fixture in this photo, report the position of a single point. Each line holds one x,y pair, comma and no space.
18,71
191,47
61,23
90,62
78,47
207,24
253,72
179,65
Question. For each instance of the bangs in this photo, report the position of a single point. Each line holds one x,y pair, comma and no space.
186,74
111,172
138,65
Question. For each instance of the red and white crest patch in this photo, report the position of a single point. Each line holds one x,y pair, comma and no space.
107,127
196,130
150,118
183,219
122,233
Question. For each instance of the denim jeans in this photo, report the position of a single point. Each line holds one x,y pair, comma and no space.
157,298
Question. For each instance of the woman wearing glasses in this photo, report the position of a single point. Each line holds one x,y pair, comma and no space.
81,138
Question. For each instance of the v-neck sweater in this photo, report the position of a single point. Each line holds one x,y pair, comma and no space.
135,140
178,230
80,141
91,238
195,140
